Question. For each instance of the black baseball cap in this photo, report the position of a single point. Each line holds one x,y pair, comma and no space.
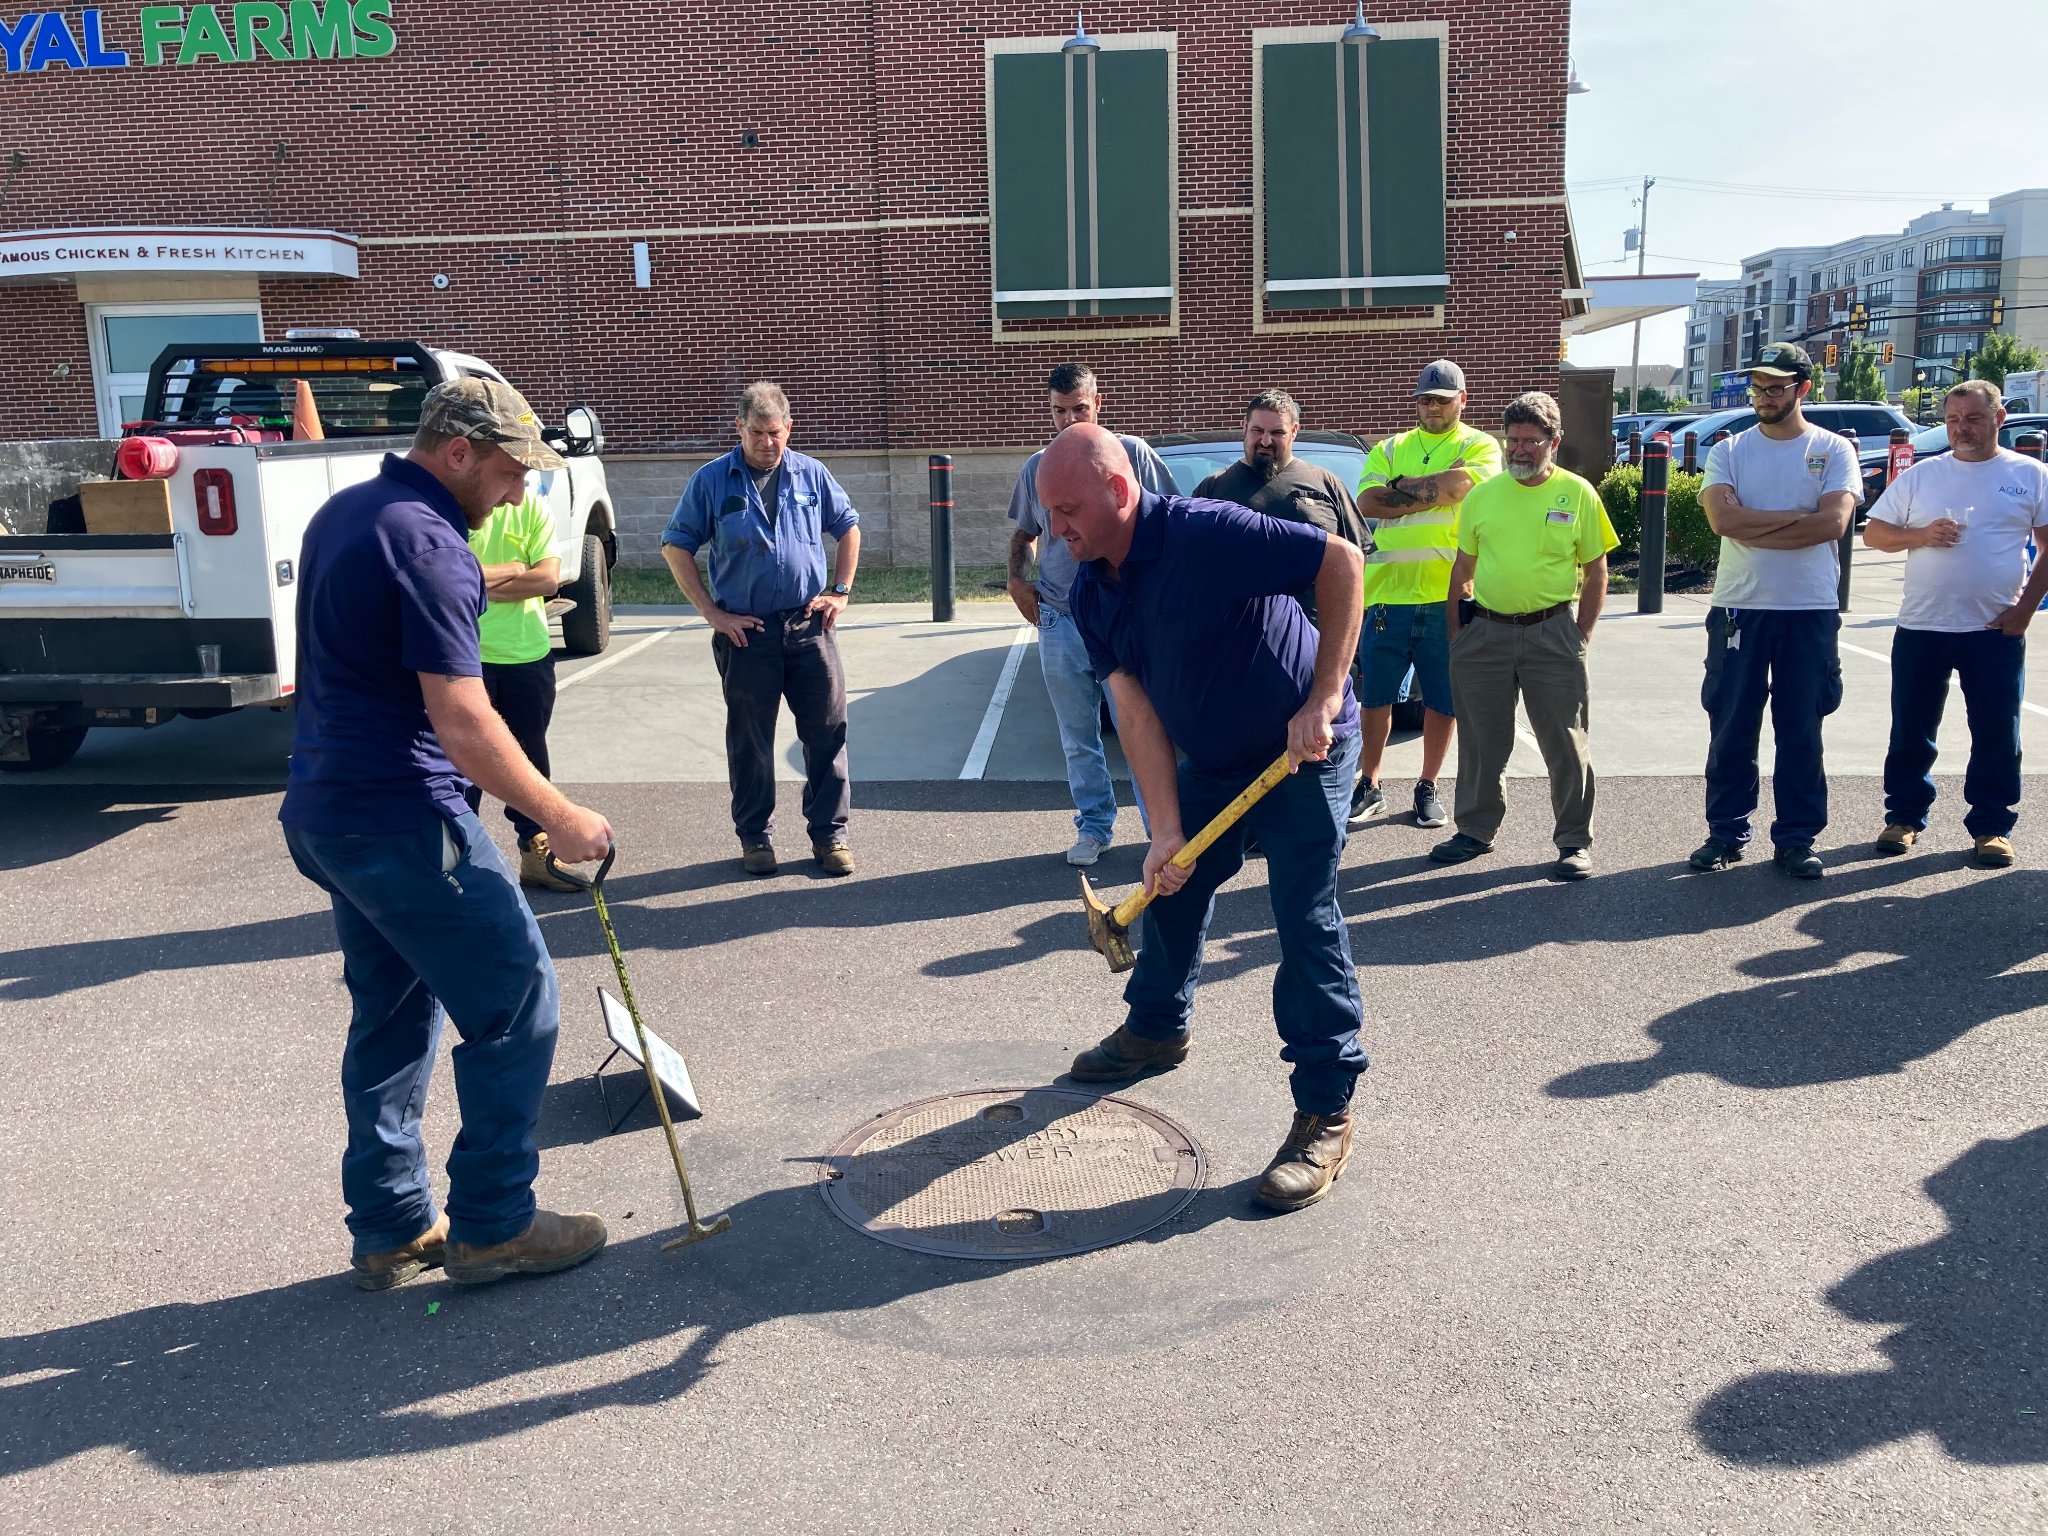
1782,360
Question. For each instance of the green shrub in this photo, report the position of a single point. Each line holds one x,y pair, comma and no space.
1687,537
1621,488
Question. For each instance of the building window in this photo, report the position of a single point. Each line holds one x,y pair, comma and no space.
1350,165
1082,177
126,338
1887,261
1906,256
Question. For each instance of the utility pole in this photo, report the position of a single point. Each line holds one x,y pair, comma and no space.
1635,350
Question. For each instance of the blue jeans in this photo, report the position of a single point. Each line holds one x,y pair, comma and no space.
1992,667
1316,1004
1076,701
427,919
1788,659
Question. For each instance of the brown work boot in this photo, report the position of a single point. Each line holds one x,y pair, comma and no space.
381,1271
1895,839
533,866
1124,1054
549,1243
835,858
1307,1163
758,858
1993,852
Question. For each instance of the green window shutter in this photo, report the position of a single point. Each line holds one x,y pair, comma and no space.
1097,222
1353,172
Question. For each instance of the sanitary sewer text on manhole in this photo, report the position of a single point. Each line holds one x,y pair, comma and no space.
1012,1173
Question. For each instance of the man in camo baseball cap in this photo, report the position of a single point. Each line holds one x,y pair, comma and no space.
485,410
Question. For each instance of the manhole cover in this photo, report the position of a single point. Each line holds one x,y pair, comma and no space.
1012,1173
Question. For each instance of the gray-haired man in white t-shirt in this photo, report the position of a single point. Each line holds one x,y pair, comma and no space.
1963,519
1780,495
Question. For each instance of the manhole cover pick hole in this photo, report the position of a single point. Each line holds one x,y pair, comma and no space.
1012,1173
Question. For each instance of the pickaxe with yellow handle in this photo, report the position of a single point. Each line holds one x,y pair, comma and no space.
1109,928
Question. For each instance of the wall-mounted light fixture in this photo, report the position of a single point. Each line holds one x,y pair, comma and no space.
1081,43
1361,31
1575,86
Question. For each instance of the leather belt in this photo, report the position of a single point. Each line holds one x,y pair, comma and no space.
1522,619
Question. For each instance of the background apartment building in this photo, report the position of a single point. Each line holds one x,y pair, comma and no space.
1928,290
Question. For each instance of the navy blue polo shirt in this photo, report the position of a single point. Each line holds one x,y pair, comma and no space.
1200,614
388,589
761,565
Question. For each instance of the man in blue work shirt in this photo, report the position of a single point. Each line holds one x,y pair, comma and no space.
392,716
763,508
1185,609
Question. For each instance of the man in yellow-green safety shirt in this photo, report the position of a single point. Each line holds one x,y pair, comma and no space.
1411,485
516,548
1530,543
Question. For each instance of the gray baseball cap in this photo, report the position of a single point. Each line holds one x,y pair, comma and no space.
1442,377
487,411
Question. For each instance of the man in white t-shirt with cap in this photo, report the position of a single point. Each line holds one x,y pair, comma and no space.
1781,496
1963,519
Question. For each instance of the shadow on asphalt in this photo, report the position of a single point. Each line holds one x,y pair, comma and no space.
1951,959
48,824
1969,1359
759,907
318,1372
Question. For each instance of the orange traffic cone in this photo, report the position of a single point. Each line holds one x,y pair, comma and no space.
305,414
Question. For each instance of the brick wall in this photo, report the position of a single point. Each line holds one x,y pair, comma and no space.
519,158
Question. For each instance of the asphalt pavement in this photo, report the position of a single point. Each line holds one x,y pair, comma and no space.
1680,1203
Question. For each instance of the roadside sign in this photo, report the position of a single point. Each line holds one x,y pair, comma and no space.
1900,461
668,1066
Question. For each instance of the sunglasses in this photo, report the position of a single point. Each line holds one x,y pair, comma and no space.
1774,391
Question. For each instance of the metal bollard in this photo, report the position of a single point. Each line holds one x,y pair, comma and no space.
941,466
1847,548
1691,461
1635,447
1650,537
2032,444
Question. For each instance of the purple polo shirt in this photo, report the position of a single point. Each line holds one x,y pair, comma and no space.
1201,615
388,589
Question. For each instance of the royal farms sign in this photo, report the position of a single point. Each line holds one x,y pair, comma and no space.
250,33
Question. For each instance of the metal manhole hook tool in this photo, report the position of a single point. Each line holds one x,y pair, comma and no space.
594,884
1109,928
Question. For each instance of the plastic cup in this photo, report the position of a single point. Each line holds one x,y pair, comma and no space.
209,661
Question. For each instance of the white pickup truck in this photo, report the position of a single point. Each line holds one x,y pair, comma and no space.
197,615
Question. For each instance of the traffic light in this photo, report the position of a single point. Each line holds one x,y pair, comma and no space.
1834,354
1887,354
1859,320
1997,312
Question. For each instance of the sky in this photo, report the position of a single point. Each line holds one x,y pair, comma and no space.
1733,93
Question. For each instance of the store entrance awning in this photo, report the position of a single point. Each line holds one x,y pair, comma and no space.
62,255
1612,301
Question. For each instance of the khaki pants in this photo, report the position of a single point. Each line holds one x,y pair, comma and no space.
1491,663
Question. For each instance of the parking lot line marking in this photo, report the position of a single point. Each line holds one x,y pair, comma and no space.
992,717
1954,682
615,658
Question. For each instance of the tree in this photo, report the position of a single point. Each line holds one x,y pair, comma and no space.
1820,385
1910,400
1860,378
2003,353
1651,401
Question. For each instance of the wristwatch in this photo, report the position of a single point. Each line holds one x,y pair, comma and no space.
840,589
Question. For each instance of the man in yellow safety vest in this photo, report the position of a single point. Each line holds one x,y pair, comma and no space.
1412,484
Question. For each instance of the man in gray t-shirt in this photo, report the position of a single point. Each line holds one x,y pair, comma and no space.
1070,683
